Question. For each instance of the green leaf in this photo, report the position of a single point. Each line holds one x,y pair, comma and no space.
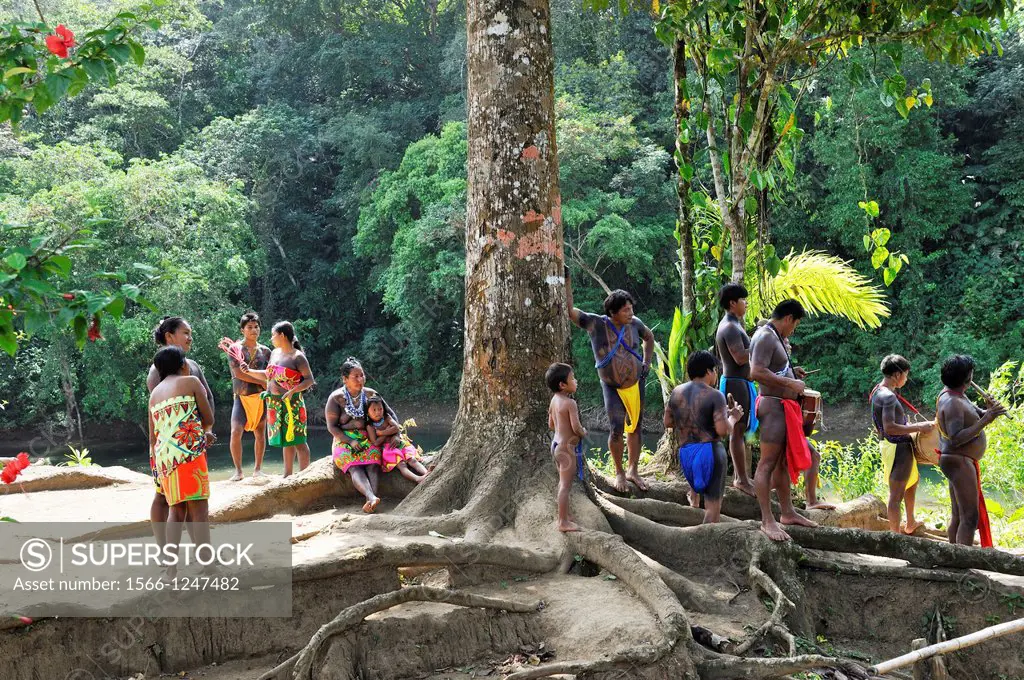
750,205
80,327
56,85
1017,515
8,341
116,308
138,53
34,320
63,264
879,257
867,242
19,70
119,53
888,275
901,107
880,236
870,207
995,508
16,261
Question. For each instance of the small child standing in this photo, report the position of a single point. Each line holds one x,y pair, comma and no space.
397,451
567,444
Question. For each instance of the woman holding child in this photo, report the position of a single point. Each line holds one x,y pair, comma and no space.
364,428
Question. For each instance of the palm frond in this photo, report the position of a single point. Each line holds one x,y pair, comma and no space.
823,284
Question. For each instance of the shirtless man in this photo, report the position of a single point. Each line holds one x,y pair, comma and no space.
248,413
962,443
770,368
701,416
615,338
733,346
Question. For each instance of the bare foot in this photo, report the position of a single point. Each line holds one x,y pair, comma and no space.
911,528
621,485
568,526
797,520
370,506
745,486
774,531
694,498
636,479
236,477
820,505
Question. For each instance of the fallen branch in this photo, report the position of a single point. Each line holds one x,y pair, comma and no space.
722,667
948,646
302,664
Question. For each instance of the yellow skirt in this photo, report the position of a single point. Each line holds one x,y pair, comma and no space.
888,450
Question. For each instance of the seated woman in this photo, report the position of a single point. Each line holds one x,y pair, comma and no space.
180,425
396,449
347,419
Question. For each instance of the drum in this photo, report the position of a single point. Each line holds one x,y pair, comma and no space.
925,444
810,403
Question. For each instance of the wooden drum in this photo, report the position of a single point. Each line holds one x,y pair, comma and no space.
810,403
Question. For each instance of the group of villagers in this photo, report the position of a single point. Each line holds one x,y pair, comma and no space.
268,386
749,386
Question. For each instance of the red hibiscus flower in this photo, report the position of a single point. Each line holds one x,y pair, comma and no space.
94,330
10,472
22,460
68,296
60,42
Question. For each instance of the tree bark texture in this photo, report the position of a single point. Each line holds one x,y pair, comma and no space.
684,155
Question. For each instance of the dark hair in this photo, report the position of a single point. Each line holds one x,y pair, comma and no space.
729,293
616,300
168,361
375,399
700,362
169,324
349,364
247,317
956,370
789,308
286,329
893,364
556,375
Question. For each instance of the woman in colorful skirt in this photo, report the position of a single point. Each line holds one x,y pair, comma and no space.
347,419
180,425
172,331
288,375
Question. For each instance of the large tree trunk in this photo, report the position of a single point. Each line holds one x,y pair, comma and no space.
515,285
684,162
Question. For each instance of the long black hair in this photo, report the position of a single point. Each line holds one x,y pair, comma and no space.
286,329
169,361
169,324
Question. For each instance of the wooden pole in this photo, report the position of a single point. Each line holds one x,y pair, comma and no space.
953,645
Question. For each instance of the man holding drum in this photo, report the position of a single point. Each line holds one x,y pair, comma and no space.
784,450
896,440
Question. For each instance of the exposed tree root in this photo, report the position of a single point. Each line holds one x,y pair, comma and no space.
774,624
662,511
367,558
302,664
692,596
919,552
721,667
818,562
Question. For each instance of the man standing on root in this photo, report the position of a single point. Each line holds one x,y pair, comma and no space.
784,450
962,443
615,338
701,416
733,345
248,413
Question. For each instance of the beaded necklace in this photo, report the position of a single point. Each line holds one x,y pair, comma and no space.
350,406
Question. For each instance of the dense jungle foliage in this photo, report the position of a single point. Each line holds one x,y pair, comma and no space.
307,160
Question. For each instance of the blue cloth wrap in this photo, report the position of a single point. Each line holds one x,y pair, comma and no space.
752,422
698,464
